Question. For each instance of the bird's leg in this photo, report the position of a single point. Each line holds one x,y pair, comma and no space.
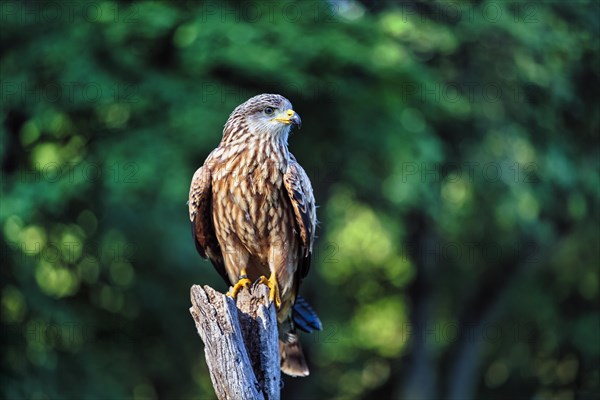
274,288
242,283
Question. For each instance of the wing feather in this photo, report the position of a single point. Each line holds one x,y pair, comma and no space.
302,199
200,208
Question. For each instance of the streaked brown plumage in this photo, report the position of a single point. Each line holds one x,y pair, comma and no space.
251,204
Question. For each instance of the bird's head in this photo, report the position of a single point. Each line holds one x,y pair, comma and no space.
267,115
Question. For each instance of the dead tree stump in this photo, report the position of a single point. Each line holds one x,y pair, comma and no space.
241,342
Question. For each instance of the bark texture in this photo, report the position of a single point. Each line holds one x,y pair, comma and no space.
241,342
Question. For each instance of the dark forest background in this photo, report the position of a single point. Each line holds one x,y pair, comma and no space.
453,148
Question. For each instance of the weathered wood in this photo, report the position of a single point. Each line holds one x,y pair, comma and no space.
241,342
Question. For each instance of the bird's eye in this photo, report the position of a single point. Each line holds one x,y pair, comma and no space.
269,110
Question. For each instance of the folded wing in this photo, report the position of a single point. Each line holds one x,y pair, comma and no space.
302,199
203,230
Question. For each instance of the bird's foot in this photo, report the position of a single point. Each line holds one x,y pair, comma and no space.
271,282
243,282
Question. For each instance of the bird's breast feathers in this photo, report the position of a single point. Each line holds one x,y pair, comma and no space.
249,199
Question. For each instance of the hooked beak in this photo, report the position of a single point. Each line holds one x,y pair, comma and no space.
290,117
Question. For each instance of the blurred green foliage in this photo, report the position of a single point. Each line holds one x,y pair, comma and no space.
453,147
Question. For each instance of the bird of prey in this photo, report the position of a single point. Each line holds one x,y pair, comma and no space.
253,215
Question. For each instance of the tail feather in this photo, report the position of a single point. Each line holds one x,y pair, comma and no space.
293,362
305,318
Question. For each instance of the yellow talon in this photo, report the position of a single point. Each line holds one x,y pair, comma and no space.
242,283
274,288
